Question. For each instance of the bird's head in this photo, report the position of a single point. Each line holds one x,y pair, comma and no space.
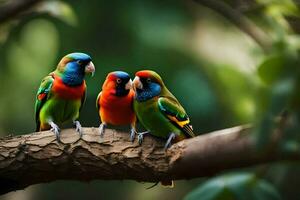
117,82
74,66
147,84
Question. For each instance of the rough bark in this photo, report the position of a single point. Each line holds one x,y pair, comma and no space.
38,157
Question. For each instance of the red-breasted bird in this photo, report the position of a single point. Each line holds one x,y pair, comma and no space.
62,93
115,102
158,110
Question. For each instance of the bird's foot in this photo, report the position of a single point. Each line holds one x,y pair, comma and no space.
168,143
78,127
55,129
102,129
141,136
132,133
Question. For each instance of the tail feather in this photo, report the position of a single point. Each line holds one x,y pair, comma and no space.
38,126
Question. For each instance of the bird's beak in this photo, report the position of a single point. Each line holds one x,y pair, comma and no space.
90,68
137,83
128,85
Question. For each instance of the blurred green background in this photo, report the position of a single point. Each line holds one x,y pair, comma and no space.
218,73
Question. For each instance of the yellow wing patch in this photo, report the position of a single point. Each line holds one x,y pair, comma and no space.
180,123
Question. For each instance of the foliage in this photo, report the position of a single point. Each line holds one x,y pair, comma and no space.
241,186
220,75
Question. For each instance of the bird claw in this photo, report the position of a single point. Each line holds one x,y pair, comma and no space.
102,129
132,134
168,143
78,127
141,137
55,129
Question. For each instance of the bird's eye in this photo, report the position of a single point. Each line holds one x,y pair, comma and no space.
148,80
119,80
79,62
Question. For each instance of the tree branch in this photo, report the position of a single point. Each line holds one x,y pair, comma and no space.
241,21
14,7
38,157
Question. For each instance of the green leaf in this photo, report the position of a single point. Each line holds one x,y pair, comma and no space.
238,186
271,69
283,7
265,191
211,190
281,95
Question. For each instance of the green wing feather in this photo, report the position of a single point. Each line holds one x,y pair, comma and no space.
172,109
42,96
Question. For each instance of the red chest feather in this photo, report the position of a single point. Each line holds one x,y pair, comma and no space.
67,92
117,110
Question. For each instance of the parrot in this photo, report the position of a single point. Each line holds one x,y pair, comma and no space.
115,102
159,112
62,93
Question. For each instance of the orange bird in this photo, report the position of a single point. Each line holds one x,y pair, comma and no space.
115,102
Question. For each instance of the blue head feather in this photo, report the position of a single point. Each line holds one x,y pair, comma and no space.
79,56
149,91
121,75
74,71
120,87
